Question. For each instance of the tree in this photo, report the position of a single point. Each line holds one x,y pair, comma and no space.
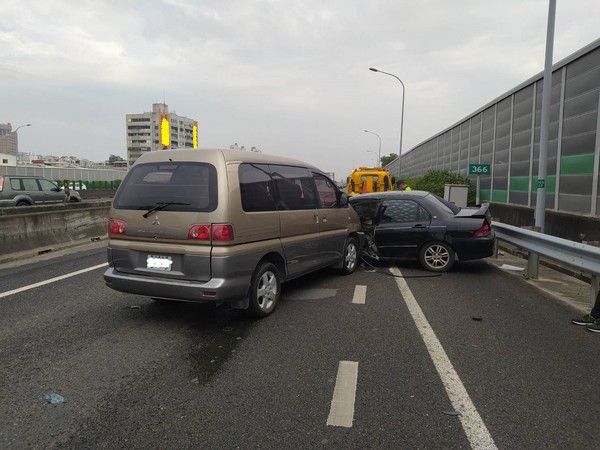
385,160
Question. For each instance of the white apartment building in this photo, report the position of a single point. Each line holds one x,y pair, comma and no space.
144,132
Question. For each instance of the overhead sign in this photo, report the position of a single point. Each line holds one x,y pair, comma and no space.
479,169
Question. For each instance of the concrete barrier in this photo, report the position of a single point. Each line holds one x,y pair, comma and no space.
29,231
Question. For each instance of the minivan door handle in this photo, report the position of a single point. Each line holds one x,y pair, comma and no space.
316,216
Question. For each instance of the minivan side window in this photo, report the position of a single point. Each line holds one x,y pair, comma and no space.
256,188
295,187
326,191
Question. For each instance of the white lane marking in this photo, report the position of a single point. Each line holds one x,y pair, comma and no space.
51,280
341,413
360,294
472,423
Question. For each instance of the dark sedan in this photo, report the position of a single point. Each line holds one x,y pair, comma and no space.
419,224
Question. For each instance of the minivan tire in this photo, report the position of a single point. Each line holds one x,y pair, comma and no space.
350,260
437,256
265,289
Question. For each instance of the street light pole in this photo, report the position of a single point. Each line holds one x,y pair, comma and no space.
379,154
17,140
402,120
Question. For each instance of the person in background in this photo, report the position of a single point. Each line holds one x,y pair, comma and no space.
67,191
591,320
403,186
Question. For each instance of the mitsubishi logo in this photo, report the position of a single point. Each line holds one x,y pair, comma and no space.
155,221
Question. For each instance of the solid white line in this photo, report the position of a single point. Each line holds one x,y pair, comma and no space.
341,413
51,280
472,423
360,294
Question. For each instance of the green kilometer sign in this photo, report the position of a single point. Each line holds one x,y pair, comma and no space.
479,169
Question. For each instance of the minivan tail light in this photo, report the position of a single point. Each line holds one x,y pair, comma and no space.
1,183
483,231
116,226
222,233
219,232
199,233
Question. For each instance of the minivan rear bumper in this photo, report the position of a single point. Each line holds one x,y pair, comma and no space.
214,290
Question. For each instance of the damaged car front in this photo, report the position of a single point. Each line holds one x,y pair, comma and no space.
423,226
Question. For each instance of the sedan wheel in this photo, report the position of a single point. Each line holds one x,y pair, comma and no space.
437,256
264,290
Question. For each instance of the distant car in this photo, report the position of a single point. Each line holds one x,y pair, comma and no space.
21,190
421,225
77,186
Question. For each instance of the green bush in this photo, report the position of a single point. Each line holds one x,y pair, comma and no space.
435,180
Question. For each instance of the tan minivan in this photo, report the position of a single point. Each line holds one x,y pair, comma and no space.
226,226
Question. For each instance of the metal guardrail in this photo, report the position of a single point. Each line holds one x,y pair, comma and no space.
583,257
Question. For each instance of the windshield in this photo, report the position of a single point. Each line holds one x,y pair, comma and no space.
173,186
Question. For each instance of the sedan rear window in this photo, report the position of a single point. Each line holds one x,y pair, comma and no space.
181,186
444,204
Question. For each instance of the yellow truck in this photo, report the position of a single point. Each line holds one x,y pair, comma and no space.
368,179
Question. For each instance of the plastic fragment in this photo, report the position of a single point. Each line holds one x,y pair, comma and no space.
55,399
451,413
478,318
511,267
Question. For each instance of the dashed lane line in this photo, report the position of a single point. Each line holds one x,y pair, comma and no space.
360,294
472,423
51,280
341,413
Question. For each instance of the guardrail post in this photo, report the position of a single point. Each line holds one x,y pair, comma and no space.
594,288
533,259
533,265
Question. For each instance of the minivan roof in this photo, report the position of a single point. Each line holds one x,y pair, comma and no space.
209,155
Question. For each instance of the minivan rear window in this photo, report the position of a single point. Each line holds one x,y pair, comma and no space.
179,186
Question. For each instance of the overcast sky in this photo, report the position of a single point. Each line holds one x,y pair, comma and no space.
289,77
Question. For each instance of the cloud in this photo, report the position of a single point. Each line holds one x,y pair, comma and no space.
288,77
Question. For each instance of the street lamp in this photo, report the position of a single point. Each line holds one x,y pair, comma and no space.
402,120
379,154
21,126
17,141
371,151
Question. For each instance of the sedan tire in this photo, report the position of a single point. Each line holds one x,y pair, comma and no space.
264,290
437,256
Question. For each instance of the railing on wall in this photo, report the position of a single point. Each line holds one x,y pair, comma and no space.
583,257
64,173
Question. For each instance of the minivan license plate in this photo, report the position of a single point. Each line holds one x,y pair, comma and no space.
159,262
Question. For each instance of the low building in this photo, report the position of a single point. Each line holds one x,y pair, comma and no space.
8,160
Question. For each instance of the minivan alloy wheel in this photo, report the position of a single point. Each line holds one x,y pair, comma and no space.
350,259
265,290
